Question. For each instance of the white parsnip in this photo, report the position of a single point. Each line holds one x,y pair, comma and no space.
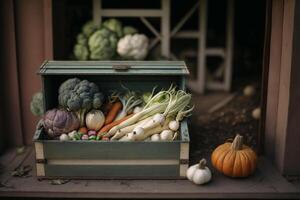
120,133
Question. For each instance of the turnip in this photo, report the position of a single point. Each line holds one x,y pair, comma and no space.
174,125
137,109
166,135
155,137
64,137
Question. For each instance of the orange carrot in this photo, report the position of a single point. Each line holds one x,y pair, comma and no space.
83,130
116,107
107,127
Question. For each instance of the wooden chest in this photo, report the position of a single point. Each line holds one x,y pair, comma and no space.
112,159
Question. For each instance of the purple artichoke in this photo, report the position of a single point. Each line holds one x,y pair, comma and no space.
57,122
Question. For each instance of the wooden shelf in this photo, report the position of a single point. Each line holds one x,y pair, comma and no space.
266,183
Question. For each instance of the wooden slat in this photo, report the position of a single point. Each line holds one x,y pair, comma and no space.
97,11
131,13
165,28
111,150
110,171
187,34
111,162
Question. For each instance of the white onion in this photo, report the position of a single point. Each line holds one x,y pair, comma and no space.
166,135
174,125
155,137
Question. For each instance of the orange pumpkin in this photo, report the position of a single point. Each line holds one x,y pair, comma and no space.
234,159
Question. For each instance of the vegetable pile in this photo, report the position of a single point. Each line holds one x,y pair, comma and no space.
84,113
108,41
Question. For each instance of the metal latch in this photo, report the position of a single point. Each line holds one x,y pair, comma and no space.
184,161
121,67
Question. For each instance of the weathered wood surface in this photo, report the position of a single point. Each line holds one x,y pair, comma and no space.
266,183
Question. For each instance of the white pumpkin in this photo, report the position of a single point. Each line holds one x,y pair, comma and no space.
94,120
199,173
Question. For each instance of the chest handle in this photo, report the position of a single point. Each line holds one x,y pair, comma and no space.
121,67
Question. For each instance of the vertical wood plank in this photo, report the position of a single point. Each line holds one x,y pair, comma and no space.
292,149
39,150
30,39
40,169
273,78
48,29
201,46
284,87
165,28
184,151
260,138
11,103
97,11
229,45
182,170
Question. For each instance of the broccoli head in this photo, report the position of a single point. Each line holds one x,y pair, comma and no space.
79,96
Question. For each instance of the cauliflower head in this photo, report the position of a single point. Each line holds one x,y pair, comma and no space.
102,44
133,46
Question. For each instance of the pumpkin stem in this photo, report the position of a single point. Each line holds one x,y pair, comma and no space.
237,143
202,163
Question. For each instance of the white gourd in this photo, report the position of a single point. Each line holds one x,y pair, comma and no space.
199,173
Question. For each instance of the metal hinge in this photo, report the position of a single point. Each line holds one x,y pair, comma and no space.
41,161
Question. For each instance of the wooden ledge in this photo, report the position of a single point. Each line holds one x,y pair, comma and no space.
266,183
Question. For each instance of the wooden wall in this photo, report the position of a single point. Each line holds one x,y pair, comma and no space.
27,43
282,131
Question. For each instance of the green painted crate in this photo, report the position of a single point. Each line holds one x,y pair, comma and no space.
112,159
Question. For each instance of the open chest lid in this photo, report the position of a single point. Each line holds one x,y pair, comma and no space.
176,68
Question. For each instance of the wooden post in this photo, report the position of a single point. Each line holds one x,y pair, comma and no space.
229,45
97,6
201,46
165,28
